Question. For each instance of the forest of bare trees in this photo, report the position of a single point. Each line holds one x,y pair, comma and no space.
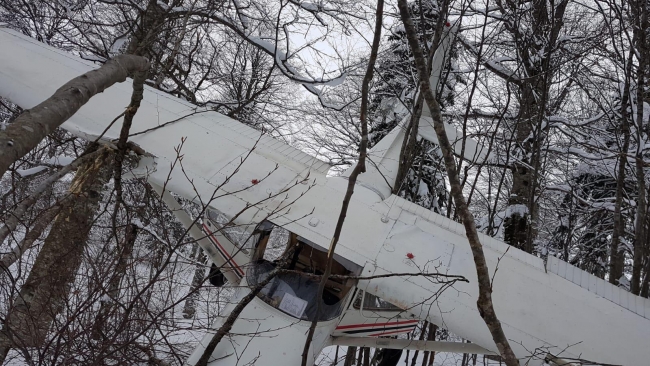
95,268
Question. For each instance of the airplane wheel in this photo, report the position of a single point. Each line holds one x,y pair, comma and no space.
216,278
390,357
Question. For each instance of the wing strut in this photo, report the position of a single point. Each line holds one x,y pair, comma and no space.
198,235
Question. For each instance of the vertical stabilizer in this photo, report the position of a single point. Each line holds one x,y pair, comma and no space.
383,158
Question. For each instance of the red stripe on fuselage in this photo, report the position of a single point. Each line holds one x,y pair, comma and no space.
375,324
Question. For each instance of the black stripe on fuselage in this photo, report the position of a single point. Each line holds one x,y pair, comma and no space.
374,330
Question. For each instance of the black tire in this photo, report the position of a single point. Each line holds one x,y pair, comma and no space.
216,278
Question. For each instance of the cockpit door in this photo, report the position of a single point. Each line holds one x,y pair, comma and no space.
370,316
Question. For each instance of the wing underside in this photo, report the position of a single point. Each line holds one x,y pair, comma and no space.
553,308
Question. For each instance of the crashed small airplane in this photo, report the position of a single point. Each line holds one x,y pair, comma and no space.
549,310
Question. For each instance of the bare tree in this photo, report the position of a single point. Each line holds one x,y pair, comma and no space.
46,288
484,302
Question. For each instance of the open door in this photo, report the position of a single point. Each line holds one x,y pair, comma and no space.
370,316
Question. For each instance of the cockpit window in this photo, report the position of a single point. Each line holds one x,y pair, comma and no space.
373,303
295,293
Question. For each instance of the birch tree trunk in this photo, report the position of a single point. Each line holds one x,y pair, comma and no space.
16,216
34,124
42,222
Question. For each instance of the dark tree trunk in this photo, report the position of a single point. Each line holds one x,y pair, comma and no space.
421,338
429,356
616,253
189,309
234,314
641,203
43,295
358,169
123,254
366,356
547,21
390,357
409,146
349,356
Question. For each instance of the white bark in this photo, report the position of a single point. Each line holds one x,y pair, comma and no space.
34,124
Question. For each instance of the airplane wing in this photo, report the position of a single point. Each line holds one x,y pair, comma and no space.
544,308
221,155
32,71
